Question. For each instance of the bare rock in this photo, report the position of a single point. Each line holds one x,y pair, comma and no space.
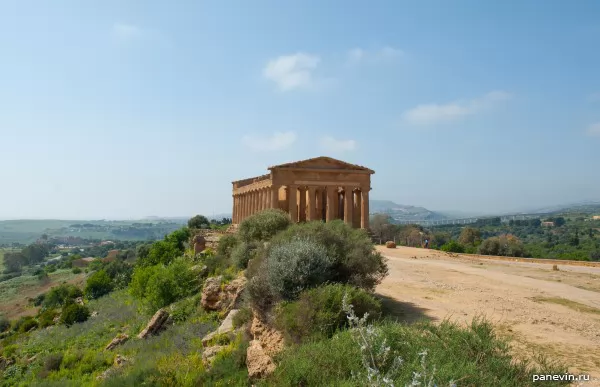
209,354
390,244
271,340
155,325
258,362
199,244
216,297
211,293
118,340
94,314
225,327
79,300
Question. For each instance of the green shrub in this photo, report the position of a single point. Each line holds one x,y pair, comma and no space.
46,318
76,270
95,265
318,311
4,324
242,253
74,313
60,295
504,245
159,285
355,260
226,245
120,273
243,316
297,265
445,352
453,247
183,309
25,324
97,285
259,293
53,362
263,225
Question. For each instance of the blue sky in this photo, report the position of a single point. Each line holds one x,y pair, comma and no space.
125,109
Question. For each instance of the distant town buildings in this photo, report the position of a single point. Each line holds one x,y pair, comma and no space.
596,217
548,224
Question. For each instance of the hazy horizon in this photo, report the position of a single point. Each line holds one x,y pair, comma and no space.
123,110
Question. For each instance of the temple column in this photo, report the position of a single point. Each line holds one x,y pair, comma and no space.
293,202
274,197
261,200
348,207
254,203
235,212
319,203
364,213
302,205
312,206
337,204
356,218
242,208
331,200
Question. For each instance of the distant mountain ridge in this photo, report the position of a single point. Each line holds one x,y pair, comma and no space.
401,212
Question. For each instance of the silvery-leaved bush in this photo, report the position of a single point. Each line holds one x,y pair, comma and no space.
380,363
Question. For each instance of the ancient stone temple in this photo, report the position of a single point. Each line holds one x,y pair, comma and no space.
321,188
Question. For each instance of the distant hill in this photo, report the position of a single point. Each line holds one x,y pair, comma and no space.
401,212
584,207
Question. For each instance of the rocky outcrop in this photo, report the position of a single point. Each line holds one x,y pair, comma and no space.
271,340
226,327
79,300
199,244
217,297
265,344
118,340
258,362
390,244
156,324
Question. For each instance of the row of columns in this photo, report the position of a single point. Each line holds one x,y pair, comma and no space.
329,203
307,203
251,202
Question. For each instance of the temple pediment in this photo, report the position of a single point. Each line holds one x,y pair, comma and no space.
323,162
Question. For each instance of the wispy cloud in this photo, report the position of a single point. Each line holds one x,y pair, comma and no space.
291,72
126,32
428,114
275,142
358,55
330,144
594,130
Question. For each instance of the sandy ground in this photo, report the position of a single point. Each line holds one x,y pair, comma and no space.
555,313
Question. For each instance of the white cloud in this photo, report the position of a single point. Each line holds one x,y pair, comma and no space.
292,71
358,55
594,130
127,32
278,141
331,144
435,113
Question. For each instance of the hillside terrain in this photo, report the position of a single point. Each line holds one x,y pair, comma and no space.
400,212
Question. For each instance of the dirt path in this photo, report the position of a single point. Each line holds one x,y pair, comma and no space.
556,313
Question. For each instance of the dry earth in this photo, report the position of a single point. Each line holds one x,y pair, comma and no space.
542,311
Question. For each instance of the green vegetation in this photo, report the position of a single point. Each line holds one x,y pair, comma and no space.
308,280
574,236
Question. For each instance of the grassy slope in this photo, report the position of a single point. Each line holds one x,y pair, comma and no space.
14,292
